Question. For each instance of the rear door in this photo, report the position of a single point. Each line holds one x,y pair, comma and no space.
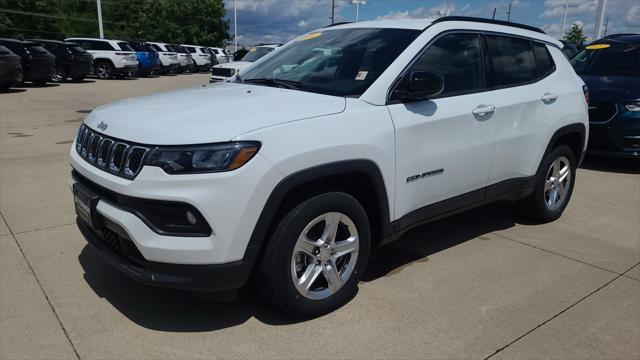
524,96
444,145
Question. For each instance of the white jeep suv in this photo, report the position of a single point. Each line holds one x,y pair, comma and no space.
322,155
111,58
201,57
225,71
168,57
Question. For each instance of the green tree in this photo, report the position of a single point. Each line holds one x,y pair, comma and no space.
28,18
575,35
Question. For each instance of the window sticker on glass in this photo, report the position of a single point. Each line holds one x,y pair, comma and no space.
597,46
309,36
252,50
361,75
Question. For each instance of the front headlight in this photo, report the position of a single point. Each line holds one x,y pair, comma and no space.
635,106
203,158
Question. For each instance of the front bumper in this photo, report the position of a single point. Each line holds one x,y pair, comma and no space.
118,251
617,137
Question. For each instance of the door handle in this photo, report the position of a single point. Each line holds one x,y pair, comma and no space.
548,97
483,110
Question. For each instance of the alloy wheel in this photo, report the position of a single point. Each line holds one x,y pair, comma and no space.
325,255
103,71
557,183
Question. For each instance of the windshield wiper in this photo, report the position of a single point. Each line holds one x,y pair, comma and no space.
288,84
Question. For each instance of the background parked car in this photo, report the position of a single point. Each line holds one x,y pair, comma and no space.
185,60
569,50
200,56
168,57
221,55
222,72
10,68
611,69
72,61
109,59
214,58
148,59
38,65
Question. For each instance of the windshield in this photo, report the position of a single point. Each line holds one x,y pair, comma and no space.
608,59
341,62
256,53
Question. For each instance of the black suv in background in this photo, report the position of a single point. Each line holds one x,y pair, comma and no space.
611,69
72,61
38,65
10,69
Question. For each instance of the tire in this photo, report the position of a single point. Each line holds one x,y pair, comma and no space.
554,186
60,76
104,70
288,257
40,82
78,78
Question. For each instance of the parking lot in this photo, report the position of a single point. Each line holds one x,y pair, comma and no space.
483,284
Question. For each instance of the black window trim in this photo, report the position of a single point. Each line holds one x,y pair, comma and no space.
485,64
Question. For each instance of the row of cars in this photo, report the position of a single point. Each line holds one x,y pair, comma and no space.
40,61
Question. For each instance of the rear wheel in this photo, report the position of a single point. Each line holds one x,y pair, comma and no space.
316,255
554,186
40,82
78,78
104,70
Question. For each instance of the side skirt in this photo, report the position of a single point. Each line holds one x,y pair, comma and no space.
509,190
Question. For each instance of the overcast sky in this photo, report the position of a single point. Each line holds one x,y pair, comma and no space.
274,21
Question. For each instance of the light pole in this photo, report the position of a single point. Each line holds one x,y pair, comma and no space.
235,26
602,4
100,18
564,23
357,3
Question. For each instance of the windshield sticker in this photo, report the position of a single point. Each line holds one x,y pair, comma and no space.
361,75
309,36
597,46
252,50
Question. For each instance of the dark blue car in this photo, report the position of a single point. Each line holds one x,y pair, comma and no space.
611,69
148,59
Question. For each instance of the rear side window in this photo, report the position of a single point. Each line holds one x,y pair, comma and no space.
100,45
215,51
544,61
512,61
126,46
191,50
458,58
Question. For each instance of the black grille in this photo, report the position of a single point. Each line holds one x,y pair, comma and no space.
118,157
601,112
225,72
112,240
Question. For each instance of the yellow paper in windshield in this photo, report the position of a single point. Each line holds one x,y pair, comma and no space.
252,50
597,46
309,36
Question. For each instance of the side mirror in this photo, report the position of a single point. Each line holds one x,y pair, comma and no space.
420,85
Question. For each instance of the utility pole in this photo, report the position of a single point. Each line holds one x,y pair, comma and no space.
357,3
494,14
333,11
509,13
602,4
564,23
606,25
235,26
100,19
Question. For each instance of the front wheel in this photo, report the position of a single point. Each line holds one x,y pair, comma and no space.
554,186
59,76
316,255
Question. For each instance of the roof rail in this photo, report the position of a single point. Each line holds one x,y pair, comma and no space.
338,23
612,36
488,21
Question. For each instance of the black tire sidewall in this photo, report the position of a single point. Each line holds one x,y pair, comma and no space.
541,211
283,242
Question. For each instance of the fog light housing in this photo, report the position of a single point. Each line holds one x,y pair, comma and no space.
191,219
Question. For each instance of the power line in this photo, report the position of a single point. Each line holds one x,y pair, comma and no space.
31,13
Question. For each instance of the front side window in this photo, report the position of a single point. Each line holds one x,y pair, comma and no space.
340,62
512,61
458,58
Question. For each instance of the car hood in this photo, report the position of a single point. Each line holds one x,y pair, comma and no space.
618,88
211,113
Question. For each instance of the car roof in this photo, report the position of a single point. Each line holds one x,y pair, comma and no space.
96,39
53,41
620,38
470,23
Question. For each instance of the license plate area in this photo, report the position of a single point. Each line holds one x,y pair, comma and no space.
85,202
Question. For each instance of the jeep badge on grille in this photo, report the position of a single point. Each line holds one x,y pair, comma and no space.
102,126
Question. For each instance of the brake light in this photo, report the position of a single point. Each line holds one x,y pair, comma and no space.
585,90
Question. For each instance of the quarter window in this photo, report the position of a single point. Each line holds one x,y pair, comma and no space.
458,58
544,62
512,61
